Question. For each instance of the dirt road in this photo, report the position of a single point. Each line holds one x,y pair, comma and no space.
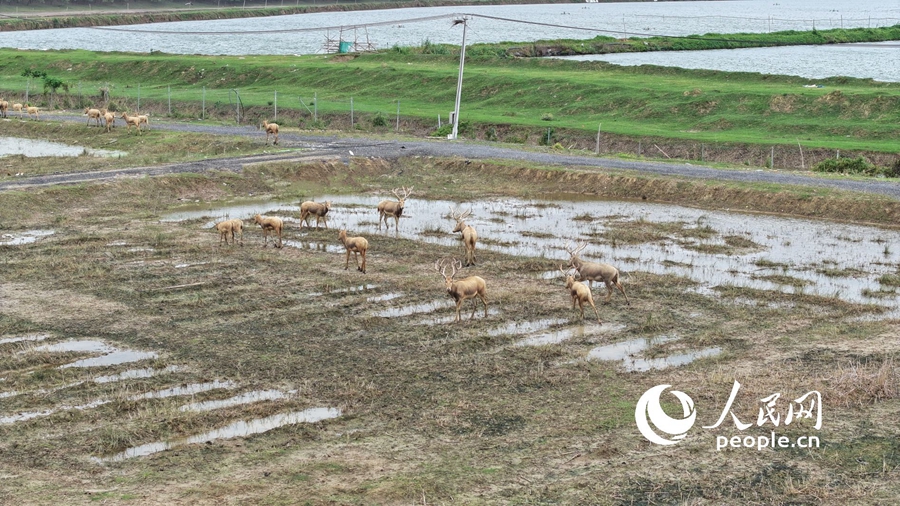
313,147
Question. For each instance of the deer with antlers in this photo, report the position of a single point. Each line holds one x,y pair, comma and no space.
580,293
594,271
462,289
469,236
310,208
356,245
387,208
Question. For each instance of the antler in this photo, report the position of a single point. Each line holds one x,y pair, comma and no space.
563,271
441,265
457,215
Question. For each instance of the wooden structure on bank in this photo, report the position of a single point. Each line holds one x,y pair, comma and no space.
342,45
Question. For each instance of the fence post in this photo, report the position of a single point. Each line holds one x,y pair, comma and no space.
772,158
598,137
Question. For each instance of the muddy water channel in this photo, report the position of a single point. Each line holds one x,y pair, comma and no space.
712,248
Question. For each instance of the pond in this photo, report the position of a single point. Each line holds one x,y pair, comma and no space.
712,248
307,33
33,148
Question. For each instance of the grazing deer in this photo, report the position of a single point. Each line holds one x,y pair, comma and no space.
469,236
271,129
4,106
230,227
593,271
356,245
388,208
273,224
467,288
310,208
580,294
32,111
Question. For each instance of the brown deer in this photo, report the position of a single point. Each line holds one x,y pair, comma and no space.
356,245
273,224
580,294
271,129
130,121
310,208
388,208
469,236
92,114
594,271
230,227
467,288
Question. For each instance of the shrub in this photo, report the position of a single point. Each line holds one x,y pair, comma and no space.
858,165
546,117
379,120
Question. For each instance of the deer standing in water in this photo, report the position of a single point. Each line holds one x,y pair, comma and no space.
469,236
388,208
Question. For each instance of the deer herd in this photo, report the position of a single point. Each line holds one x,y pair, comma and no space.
460,290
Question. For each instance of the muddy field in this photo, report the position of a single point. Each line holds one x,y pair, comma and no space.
142,362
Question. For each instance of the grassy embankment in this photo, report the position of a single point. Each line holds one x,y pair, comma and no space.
704,115
431,413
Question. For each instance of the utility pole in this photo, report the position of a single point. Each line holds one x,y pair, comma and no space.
462,59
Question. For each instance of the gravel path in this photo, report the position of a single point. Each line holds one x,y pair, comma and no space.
314,147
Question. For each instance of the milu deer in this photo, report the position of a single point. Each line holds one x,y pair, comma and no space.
469,236
462,289
271,129
388,208
356,245
230,227
594,271
310,208
270,224
580,293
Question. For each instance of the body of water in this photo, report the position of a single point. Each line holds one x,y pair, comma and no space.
878,61
307,33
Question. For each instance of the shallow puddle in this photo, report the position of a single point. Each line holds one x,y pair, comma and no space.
425,307
526,327
317,246
113,358
443,320
588,328
352,289
709,247
627,352
243,209
135,374
35,148
245,398
19,339
238,429
191,389
109,355
385,297
21,417
20,238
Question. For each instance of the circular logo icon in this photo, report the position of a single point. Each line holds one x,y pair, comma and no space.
648,407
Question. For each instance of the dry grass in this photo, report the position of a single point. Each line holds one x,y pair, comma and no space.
436,413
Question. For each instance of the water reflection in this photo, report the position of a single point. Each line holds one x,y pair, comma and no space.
855,256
